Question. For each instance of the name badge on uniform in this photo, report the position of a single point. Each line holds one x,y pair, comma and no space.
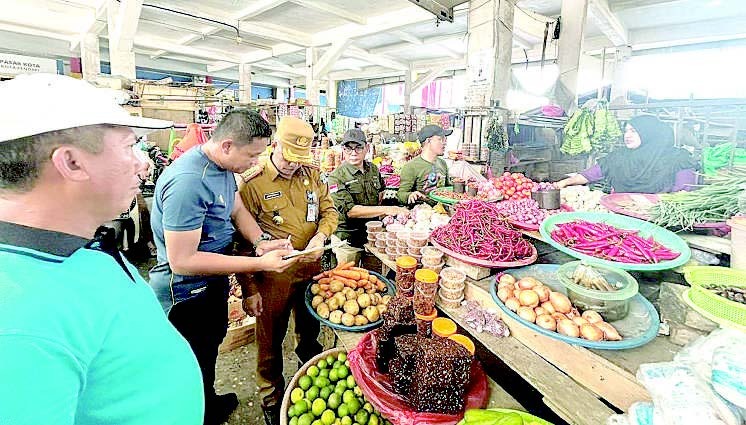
312,212
272,195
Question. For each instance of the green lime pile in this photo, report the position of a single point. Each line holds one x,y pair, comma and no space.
328,395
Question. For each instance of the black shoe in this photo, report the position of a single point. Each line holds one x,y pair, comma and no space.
271,415
220,409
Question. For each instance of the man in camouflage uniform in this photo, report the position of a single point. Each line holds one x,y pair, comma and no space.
289,200
356,187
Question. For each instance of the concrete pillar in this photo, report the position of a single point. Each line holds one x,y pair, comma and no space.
281,94
408,83
573,15
121,58
90,56
331,94
489,52
122,63
244,83
312,86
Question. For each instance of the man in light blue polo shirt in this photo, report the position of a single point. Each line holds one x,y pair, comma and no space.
83,339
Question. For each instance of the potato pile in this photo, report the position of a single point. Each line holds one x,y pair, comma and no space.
349,295
552,310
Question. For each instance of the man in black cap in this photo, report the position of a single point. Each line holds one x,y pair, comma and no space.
427,171
356,187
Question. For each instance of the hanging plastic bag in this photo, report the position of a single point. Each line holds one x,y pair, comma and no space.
379,392
194,136
464,170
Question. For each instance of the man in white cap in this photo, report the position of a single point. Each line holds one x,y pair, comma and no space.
83,339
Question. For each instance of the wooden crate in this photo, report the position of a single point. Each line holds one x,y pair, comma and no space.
238,337
472,271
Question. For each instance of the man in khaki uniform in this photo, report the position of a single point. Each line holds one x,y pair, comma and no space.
288,199
356,186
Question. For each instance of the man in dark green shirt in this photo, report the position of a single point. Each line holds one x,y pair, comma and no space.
427,171
356,187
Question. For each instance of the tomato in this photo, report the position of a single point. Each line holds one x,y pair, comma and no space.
527,193
506,174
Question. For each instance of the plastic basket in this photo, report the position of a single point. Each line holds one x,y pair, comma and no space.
714,304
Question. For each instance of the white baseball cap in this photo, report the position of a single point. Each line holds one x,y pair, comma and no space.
38,103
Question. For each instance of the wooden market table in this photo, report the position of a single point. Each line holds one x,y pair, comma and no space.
576,383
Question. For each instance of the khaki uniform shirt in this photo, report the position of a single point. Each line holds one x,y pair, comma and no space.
302,204
350,186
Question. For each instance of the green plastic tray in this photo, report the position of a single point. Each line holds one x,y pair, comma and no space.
447,201
665,237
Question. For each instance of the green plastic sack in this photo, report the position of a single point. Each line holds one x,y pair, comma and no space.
719,156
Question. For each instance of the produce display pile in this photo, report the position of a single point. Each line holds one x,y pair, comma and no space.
477,230
327,394
524,211
349,295
591,129
487,190
421,218
714,202
588,277
449,194
482,320
603,241
733,293
543,186
514,186
394,180
581,198
493,417
553,311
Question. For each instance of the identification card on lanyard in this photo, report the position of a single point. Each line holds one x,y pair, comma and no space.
312,212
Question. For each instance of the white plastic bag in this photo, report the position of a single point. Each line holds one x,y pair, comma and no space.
729,374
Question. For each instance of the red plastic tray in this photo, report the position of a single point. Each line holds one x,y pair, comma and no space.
485,263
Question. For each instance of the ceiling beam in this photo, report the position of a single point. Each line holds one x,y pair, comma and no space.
425,41
620,5
22,29
405,36
275,32
366,73
95,24
257,8
364,55
427,78
394,20
278,66
446,64
607,22
326,62
125,25
169,46
220,66
322,6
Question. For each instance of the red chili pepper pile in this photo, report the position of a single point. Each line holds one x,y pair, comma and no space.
609,243
478,230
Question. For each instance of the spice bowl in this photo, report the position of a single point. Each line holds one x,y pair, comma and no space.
449,304
419,238
451,294
452,278
374,226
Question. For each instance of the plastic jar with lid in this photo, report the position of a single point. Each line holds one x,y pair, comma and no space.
452,278
406,267
425,324
465,341
436,269
391,253
443,327
426,285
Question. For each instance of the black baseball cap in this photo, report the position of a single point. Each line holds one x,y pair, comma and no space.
432,130
354,135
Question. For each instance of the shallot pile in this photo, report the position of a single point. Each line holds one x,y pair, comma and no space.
477,230
523,211
607,242
553,311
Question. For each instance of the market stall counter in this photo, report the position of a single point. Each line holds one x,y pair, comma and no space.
575,382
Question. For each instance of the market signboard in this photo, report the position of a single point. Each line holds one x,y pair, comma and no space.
11,65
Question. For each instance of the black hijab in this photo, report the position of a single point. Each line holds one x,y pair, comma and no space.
652,167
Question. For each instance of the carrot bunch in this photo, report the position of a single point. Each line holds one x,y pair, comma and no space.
346,275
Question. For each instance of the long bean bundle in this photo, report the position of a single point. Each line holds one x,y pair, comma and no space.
713,202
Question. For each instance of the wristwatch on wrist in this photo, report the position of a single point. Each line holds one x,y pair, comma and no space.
263,237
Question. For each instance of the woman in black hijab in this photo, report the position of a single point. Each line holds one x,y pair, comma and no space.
648,163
